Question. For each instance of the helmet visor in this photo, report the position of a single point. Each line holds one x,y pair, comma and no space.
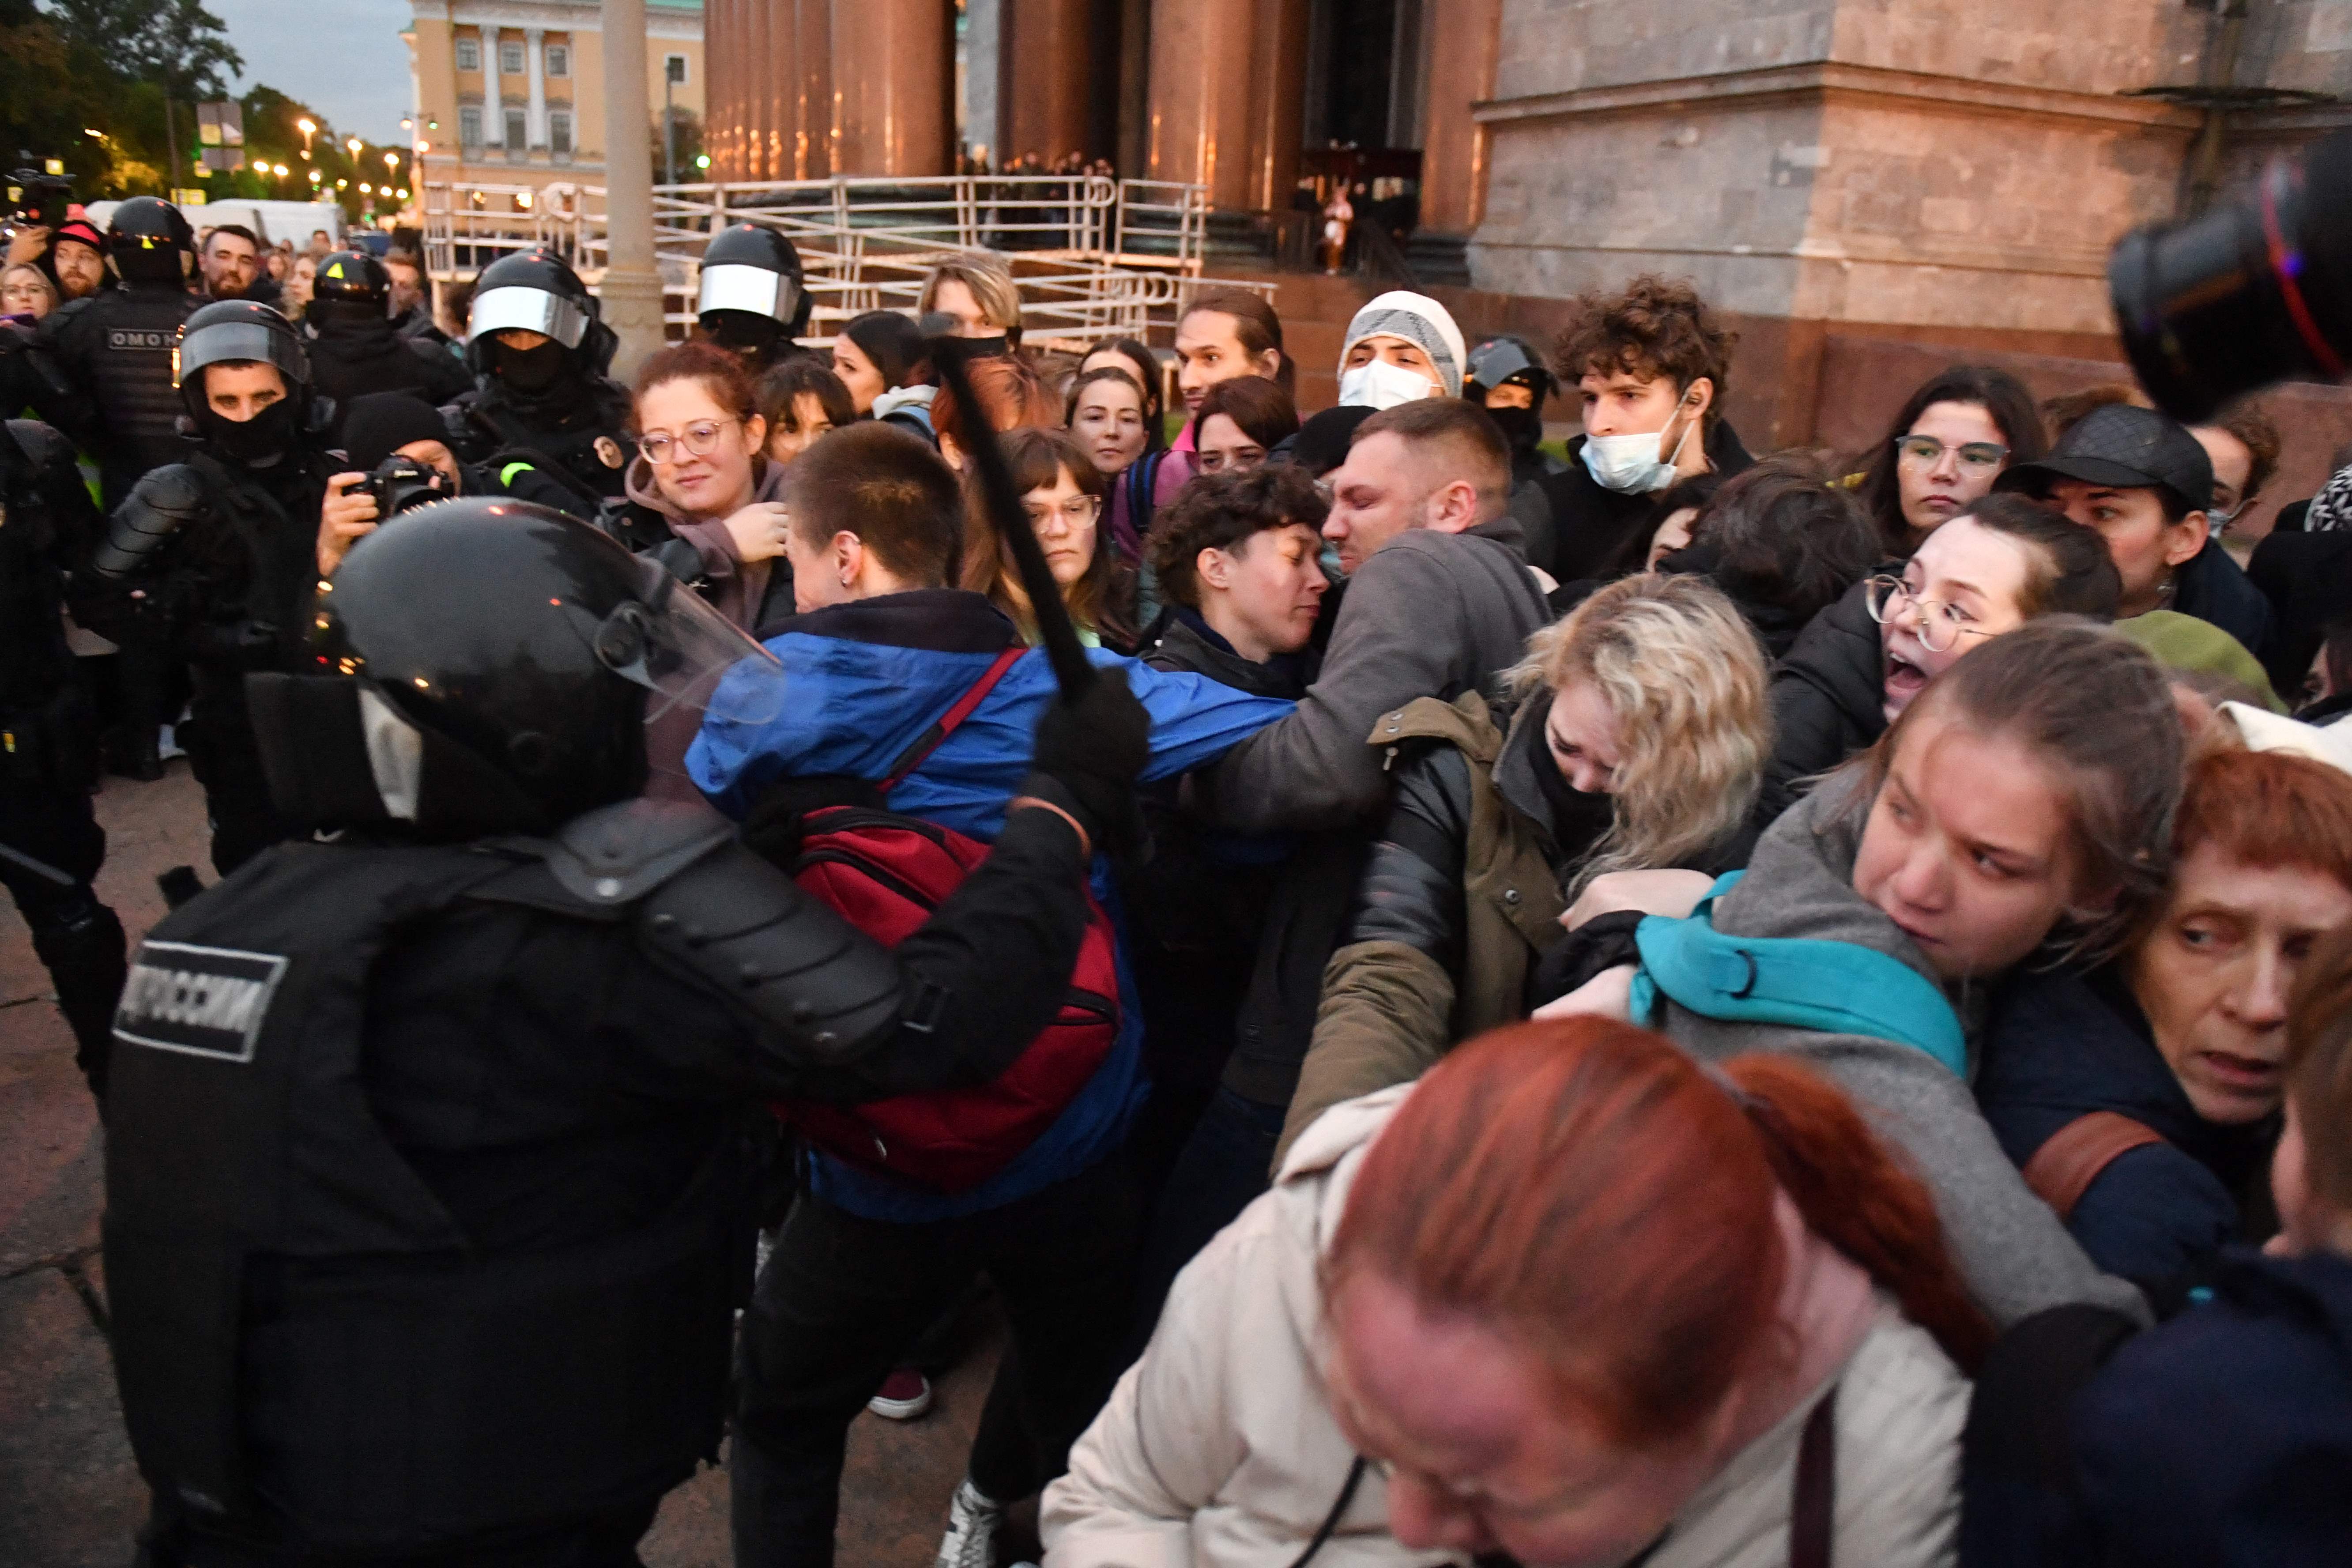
529,310
672,643
228,342
754,290
1497,361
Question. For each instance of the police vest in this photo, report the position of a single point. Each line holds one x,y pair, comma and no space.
593,454
305,1341
131,341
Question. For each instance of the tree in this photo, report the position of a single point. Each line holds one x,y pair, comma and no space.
175,48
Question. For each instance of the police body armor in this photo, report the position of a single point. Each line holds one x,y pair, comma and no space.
307,1343
118,345
589,452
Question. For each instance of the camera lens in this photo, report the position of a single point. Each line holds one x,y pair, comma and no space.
2251,293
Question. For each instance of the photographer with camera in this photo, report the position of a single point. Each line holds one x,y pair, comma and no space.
395,456
213,557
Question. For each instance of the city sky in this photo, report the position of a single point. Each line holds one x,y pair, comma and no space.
343,58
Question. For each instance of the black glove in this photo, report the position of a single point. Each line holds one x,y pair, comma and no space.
1091,751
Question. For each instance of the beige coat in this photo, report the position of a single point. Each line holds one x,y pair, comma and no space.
1219,1450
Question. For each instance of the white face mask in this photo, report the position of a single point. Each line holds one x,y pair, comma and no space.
1380,385
1629,465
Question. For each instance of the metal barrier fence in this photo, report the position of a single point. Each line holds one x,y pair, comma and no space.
1093,256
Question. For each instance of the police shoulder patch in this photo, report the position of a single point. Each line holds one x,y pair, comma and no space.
200,1001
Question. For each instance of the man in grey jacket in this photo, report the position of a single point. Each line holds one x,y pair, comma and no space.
1439,599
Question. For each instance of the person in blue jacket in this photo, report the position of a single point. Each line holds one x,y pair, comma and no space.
879,651
2223,1438
2141,1098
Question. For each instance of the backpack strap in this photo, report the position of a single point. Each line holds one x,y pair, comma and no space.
1812,1512
931,739
2071,1159
1837,987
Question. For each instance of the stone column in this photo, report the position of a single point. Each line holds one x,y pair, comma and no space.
813,153
1202,96
778,69
983,38
534,65
1047,53
631,293
1278,102
893,73
723,87
1454,155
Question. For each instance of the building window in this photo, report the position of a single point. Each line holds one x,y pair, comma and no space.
470,54
518,138
469,129
559,133
559,59
673,68
510,59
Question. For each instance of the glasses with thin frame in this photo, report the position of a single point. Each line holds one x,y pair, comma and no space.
1941,625
698,440
1976,456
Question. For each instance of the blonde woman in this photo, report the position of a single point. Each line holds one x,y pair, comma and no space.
1637,742
980,295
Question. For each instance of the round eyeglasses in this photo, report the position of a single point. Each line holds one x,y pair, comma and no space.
1938,626
1976,456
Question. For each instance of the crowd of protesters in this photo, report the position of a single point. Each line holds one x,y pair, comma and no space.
1683,1008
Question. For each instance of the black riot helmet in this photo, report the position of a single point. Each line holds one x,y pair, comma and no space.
150,241
502,662
232,332
536,292
751,298
352,285
1507,360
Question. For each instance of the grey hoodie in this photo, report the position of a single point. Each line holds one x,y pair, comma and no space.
2016,1256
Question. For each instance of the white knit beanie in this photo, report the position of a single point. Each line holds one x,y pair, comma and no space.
1419,319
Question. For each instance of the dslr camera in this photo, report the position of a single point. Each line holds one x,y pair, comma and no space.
35,198
401,484
2255,292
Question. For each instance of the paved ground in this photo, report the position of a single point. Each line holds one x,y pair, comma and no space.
69,1496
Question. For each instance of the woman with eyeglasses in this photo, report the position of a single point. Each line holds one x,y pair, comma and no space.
1062,491
1948,442
1989,569
702,474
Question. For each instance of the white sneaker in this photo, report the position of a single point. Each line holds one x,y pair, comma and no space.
973,1523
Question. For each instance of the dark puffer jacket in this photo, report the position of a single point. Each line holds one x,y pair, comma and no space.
1828,701
2062,1045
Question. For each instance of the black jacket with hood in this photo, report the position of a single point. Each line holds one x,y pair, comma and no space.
1591,524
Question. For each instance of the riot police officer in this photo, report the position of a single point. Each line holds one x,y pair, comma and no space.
540,353
753,301
108,358
215,555
50,844
1509,378
355,346
426,1157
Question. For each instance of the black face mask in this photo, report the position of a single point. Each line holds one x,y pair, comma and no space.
1522,427
264,435
530,369
741,333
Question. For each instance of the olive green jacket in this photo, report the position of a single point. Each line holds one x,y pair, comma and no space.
1390,1009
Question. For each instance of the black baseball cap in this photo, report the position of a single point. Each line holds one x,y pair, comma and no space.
2126,447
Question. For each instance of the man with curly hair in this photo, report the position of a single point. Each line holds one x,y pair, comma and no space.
1650,365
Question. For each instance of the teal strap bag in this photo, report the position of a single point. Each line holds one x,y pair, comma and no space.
1834,987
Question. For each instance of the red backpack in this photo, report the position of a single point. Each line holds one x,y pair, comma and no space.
885,874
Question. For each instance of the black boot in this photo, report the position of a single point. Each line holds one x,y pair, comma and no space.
85,957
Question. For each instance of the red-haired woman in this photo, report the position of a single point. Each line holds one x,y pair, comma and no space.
702,468
2141,1097
1573,1298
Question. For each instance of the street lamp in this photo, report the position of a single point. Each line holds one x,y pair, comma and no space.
308,128
354,145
